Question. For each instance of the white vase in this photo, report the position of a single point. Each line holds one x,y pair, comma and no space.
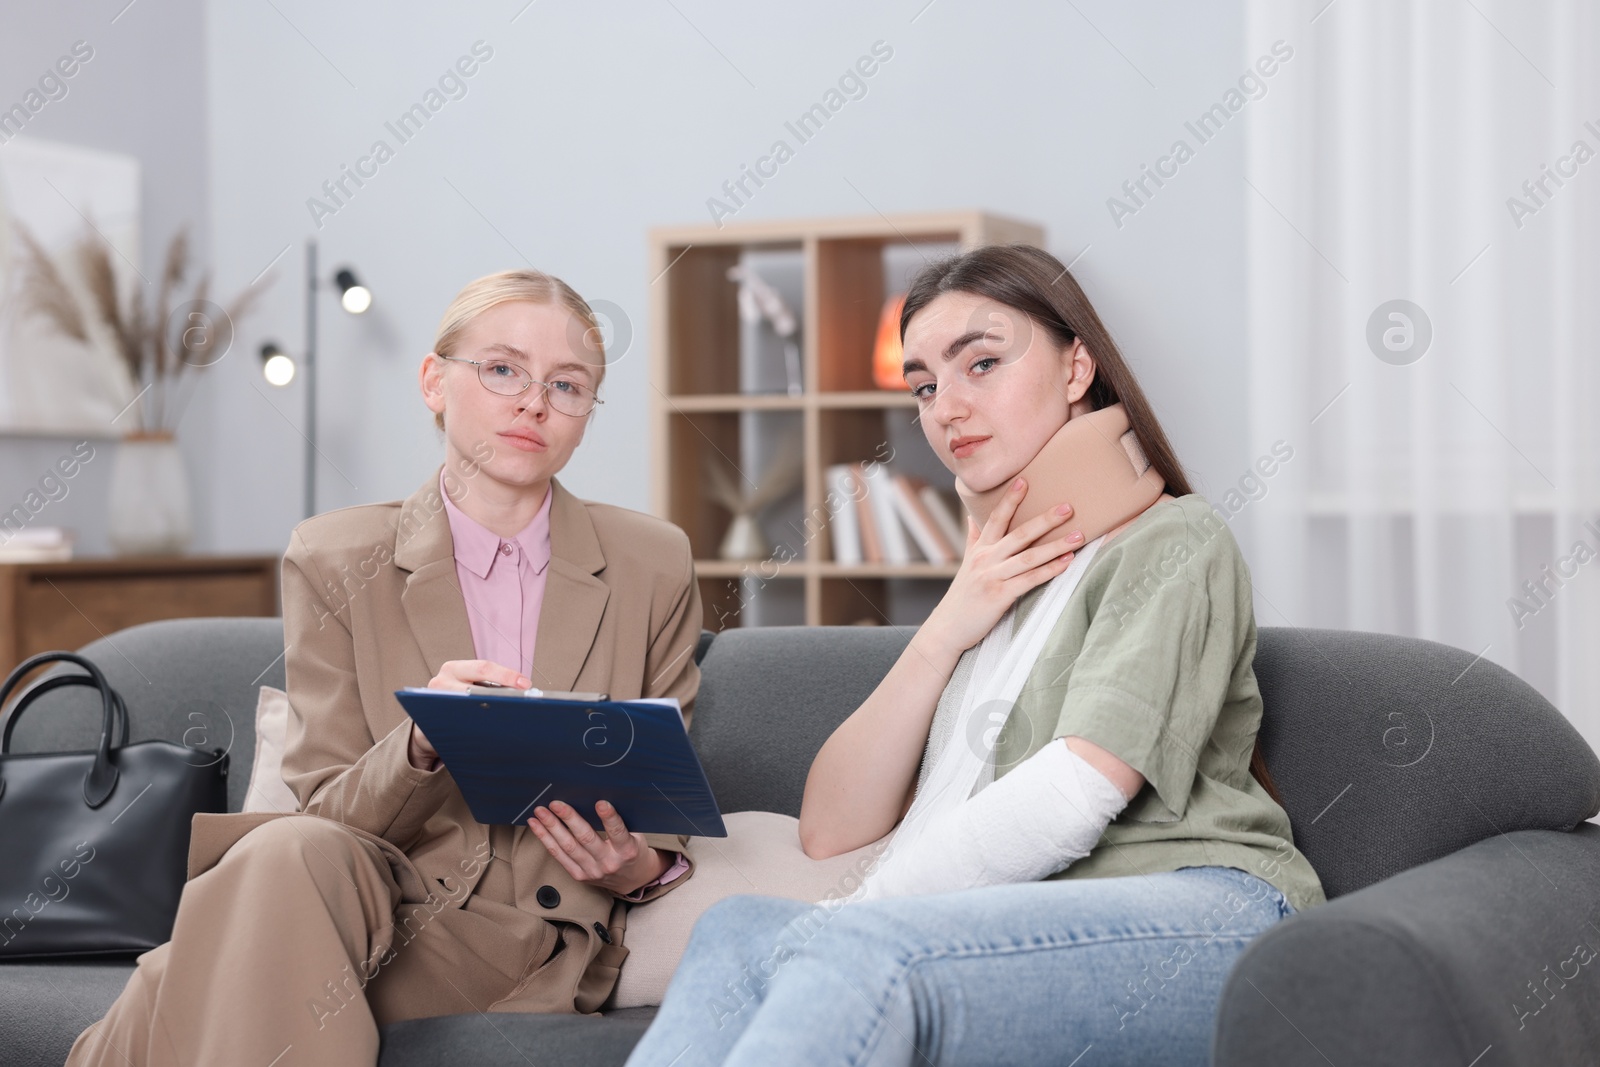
743,540
150,497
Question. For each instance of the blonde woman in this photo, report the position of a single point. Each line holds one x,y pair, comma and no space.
1075,888
300,934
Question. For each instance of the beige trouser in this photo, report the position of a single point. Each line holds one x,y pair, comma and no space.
270,948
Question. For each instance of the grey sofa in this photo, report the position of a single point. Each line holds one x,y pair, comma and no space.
1441,800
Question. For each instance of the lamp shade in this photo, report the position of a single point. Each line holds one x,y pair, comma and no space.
353,296
277,366
887,355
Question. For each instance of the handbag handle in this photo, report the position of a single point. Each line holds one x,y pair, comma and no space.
102,777
45,685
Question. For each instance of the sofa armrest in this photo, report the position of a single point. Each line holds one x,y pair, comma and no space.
1495,946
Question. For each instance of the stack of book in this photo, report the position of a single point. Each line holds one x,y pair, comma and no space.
38,544
883,517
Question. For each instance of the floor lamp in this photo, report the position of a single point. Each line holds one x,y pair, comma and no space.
278,367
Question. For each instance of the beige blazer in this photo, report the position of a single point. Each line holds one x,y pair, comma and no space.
371,603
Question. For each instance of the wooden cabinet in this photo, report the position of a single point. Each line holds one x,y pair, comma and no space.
65,605
714,401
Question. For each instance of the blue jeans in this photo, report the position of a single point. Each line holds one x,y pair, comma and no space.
1037,973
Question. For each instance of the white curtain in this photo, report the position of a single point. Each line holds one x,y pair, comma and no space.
1386,163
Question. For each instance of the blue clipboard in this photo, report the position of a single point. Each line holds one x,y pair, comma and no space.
512,753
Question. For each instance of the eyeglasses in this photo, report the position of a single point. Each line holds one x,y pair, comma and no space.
508,379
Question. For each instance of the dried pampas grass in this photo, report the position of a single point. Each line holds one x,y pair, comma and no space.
153,350
46,291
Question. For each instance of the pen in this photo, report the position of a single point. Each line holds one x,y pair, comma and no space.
487,688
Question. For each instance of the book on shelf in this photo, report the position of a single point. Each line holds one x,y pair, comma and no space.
879,516
880,495
913,512
947,518
36,544
842,524
866,518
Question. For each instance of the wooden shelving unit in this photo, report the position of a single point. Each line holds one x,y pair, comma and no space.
705,406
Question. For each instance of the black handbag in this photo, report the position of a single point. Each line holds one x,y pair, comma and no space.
94,846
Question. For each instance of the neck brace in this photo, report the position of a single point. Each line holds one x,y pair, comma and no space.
1094,463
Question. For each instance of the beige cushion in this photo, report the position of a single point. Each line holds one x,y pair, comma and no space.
760,855
267,790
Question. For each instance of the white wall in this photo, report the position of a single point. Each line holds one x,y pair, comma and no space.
143,93
590,124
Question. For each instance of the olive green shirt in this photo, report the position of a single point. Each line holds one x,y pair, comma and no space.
1151,659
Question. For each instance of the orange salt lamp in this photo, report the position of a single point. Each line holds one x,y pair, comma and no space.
887,356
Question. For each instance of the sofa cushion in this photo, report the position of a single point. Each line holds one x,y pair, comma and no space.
503,1039
1394,751
47,1005
771,695
760,855
268,791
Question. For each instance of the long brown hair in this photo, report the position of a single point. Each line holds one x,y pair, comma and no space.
1034,282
